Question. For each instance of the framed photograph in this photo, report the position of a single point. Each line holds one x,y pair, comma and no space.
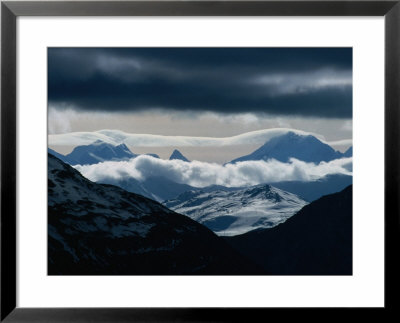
198,160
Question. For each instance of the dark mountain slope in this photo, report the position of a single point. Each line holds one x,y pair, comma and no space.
103,230
315,241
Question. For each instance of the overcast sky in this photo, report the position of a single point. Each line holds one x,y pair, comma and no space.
213,92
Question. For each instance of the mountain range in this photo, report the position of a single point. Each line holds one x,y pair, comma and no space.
283,147
96,229
233,212
307,148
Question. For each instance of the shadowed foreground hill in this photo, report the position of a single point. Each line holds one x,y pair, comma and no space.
315,241
98,229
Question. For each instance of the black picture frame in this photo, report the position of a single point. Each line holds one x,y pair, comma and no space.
10,10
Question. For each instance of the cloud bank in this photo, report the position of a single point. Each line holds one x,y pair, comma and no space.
280,81
117,137
201,174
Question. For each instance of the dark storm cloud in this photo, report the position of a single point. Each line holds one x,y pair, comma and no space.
286,81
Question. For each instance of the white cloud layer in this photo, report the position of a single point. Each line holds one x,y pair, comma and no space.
201,174
148,140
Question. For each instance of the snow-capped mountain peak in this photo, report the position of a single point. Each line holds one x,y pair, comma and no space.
97,152
100,151
232,212
293,145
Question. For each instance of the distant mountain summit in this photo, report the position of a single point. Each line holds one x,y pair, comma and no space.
176,154
291,145
97,152
94,153
231,212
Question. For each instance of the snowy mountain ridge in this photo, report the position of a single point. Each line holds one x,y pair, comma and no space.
233,212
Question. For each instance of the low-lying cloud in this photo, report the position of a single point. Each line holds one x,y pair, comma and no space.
202,174
117,137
